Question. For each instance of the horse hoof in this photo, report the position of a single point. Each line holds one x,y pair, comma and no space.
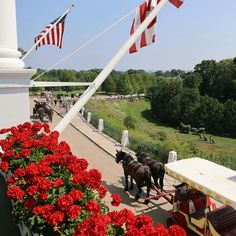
146,201
126,189
137,197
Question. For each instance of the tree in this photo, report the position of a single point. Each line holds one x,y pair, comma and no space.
163,101
209,114
192,80
123,86
229,121
207,70
109,85
190,100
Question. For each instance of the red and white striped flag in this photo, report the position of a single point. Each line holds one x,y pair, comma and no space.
149,35
177,3
54,36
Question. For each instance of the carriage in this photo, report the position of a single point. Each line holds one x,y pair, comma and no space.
42,111
194,208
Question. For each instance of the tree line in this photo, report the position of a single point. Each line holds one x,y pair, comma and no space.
204,97
128,82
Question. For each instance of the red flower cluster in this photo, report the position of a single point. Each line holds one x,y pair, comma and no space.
116,199
93,207
53,186
15,192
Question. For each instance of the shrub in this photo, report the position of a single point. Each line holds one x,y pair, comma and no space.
130,122
162,135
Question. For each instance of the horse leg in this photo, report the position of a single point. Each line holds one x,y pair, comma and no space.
148,193
161,181
156,181
126,183
131,183
137,196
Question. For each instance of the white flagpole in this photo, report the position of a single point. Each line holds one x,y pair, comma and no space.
45,34
107,70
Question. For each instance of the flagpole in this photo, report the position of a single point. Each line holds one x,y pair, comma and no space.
107,70
45,34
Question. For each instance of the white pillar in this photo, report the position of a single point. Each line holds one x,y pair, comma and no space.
89,117
172,156
100,125
14,80
82,111
9,54
125,138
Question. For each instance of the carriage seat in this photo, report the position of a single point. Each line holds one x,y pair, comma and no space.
223,220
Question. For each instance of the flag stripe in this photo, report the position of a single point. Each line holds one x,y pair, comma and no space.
148,36
54,36
177,3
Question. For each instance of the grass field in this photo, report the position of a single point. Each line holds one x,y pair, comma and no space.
161,135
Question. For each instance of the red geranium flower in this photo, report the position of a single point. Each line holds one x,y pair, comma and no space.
58,182
76,194
30,203
115,199
95,225
32,190
56,218
36,127
64,202
27,125
4,166
102,190
19,173
161,230
25,152
93,207
42,196
15,192
46,128
10,180
73,211
176,230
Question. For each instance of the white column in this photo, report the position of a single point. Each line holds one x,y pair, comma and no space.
14,80
125,138
9,54
89,114
100,125
172,156
82,111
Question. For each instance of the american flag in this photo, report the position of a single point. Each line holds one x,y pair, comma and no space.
149,35
177,3
54,36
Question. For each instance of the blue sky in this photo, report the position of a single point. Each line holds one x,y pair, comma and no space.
200,29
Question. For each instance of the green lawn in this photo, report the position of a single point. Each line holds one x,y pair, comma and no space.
150,131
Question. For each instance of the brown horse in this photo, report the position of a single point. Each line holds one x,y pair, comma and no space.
140,173
157,168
